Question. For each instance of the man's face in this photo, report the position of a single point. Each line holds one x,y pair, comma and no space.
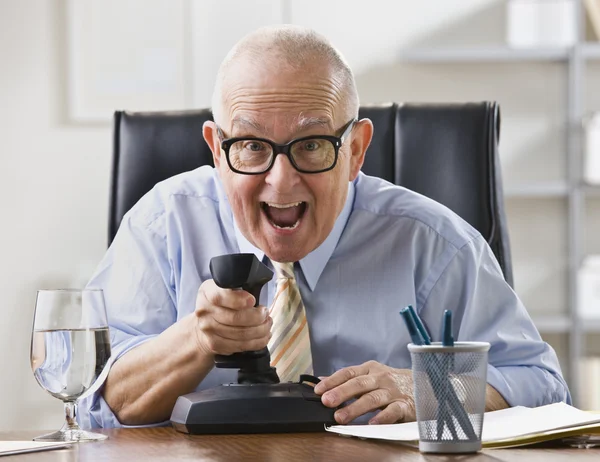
285,213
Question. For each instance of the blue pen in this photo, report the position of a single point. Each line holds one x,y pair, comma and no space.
447,364
447,339
411,326
420,326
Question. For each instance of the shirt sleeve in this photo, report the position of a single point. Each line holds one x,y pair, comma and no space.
139,294
522,367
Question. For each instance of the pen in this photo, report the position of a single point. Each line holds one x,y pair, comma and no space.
420,326
447,339
409,320
447,361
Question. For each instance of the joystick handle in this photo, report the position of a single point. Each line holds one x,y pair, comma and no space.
240,271
244,271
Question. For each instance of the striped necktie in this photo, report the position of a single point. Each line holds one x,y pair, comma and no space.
290,344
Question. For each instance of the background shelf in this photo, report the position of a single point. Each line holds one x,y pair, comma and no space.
552,324
539,190
494,54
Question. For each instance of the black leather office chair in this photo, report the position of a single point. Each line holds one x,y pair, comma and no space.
448,152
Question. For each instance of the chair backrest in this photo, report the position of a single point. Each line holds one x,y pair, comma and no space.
448,152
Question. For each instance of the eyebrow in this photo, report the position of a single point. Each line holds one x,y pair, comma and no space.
309,122
248,123
303,123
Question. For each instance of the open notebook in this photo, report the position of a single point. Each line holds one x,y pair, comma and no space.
511,427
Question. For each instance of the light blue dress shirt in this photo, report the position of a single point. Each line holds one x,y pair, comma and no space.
389,248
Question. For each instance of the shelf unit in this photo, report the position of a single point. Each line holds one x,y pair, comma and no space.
499,54
489,54
540,190
572,189
556,324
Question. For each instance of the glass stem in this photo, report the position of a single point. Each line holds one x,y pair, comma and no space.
70,414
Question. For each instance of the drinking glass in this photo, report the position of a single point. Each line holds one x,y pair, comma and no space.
70,345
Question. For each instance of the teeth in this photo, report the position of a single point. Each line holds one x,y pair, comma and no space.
294,226
283,206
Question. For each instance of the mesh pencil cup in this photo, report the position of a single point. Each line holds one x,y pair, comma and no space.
449,386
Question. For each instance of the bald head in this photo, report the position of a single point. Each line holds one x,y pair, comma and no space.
286,47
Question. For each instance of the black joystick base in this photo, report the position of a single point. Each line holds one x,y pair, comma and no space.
253,408
258,403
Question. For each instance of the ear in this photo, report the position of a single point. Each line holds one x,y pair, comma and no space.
361,138
211,136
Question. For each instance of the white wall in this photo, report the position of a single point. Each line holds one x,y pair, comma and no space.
55,174
53,193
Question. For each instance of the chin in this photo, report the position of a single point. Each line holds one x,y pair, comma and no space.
285,255
284,247
289,250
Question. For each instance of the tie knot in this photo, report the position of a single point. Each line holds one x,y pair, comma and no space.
283,270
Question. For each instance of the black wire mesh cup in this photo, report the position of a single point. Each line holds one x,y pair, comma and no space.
450,385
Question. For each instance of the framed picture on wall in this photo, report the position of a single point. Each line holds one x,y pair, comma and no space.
154,55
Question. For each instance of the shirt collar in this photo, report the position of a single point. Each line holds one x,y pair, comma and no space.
314,263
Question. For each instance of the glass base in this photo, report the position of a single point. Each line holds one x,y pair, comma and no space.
70,431
71,436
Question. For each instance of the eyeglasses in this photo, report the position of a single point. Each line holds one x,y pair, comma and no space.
309,154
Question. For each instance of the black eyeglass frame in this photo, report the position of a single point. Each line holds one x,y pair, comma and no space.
286,148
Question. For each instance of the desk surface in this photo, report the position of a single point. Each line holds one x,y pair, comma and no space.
165,444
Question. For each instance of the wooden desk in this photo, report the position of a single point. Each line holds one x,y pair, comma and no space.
165,444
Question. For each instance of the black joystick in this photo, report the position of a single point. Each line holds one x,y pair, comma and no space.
244,271
258,403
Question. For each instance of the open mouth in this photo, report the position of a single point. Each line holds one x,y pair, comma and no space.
284,216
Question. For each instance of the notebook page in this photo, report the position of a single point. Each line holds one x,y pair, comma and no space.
521,421
19,447
498,425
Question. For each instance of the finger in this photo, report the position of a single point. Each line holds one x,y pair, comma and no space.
353,388
222,346
340,377
227,298
397,411
366,403
232,332
250,317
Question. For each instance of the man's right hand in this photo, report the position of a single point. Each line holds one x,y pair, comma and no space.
228,321
225,321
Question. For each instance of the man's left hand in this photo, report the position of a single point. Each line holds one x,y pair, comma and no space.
375,386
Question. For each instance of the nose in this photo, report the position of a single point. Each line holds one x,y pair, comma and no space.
282,176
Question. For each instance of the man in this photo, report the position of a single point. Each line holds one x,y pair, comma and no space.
363,249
